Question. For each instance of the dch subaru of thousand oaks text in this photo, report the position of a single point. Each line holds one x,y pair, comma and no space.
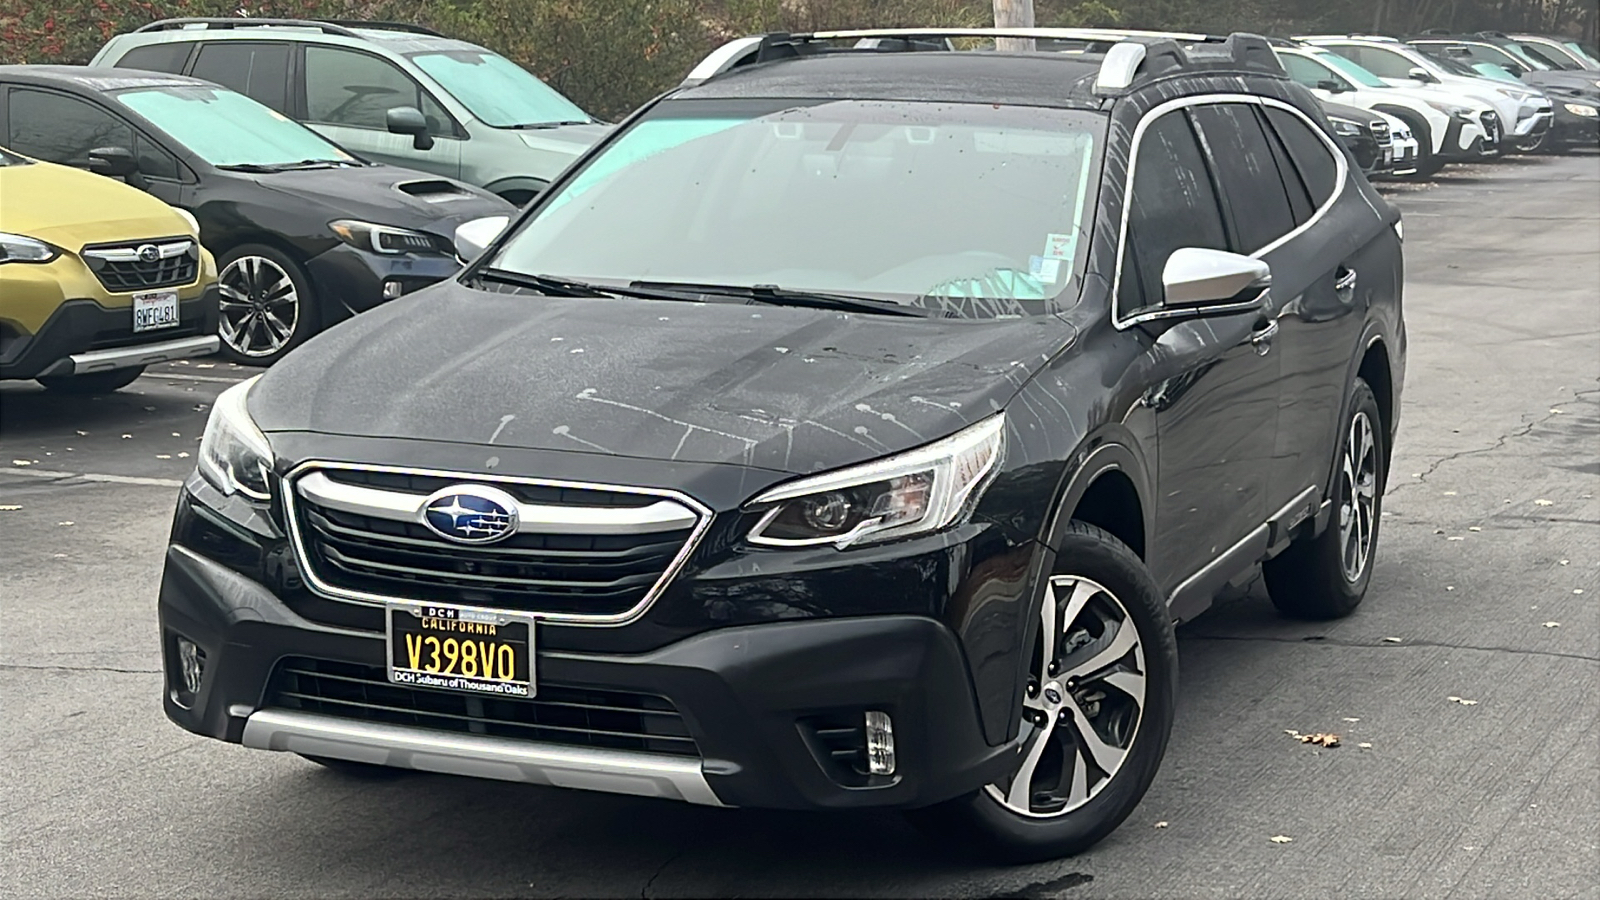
848,429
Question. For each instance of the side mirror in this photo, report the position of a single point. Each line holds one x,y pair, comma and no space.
409,120
1331,86
473,237
1418,73
1195,279
115,162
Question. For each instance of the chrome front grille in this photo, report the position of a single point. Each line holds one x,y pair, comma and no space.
1380,132
558,715
124,268
582,553
1491,126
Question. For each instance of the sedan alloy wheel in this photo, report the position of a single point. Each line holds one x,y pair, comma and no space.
259,308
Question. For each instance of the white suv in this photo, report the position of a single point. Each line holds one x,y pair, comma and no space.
1447,126
1519,111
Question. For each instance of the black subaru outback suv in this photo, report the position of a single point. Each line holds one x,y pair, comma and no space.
848,429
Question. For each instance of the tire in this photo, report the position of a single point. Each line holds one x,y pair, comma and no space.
267,307
1531,143
1326,577
92,383
1111,623
358,770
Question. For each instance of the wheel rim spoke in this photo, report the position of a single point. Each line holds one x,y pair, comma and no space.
1088,709
1021,793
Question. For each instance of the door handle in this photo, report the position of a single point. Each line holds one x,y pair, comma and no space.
1261,338
1344,283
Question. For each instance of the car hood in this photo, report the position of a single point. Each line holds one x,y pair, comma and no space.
781,388
1436,94
72,208
568,140
1583,84
388,195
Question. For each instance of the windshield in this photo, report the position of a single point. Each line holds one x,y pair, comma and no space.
496,90
1349,69
1490,70
9,159
1579,49
972,210
228,129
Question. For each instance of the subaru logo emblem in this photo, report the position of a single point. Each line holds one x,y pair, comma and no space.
471,514
148,253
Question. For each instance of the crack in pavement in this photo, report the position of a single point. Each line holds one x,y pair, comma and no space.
25,667
1500,442
1387,645
644,892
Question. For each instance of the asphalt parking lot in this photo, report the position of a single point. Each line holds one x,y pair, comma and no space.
1466,691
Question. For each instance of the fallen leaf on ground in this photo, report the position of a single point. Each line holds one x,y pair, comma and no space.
1462,702
1473,528
1280,839
9,507
149,409
66,523
183,455
1320,739
1351,719
126,436
1552,624
1449,493
58,556
1161,824
21,462
1449,587
1455,537
1577,590
1556,411
1393,640
1565,561
1364,745
83,434
163,456
175,434
1543,502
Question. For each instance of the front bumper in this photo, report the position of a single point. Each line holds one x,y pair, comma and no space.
1570,128
82,336
350,281
765,705
1464,139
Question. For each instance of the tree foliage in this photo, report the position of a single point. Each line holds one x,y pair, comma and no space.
611,55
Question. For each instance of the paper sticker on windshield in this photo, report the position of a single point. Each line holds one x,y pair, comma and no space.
1044,270
1058,246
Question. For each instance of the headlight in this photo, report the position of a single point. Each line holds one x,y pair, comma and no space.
1515,94
1450,109
194,224
915,492
1345,127
1578,109
16,248
386,238
234,455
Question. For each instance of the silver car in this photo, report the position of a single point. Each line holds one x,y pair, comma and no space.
390,92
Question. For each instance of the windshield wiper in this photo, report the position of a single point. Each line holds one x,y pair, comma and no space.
542,126
773,295
551,286
285,167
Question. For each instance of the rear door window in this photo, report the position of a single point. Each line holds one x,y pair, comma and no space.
259,71
1312,157
1173,205
157,57
1382,63
62,129
1252,188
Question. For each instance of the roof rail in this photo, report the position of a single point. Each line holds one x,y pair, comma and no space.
407,27
1132,52
220,23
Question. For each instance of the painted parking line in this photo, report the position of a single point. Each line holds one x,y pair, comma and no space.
94,476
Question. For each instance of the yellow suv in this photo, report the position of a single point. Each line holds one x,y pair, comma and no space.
97,279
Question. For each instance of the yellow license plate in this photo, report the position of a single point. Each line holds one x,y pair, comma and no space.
459,648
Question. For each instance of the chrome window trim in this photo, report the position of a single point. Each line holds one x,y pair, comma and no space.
318,586
1156,112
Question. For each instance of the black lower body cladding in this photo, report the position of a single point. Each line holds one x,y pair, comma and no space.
771,713
80,326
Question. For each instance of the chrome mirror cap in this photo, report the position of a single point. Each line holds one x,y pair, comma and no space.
473,237
1197,277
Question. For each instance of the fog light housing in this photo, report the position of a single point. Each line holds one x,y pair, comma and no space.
880,743
392,289
191,667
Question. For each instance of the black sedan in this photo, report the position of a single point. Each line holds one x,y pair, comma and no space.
305,234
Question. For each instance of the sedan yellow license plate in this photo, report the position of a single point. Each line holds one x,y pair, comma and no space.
460,648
